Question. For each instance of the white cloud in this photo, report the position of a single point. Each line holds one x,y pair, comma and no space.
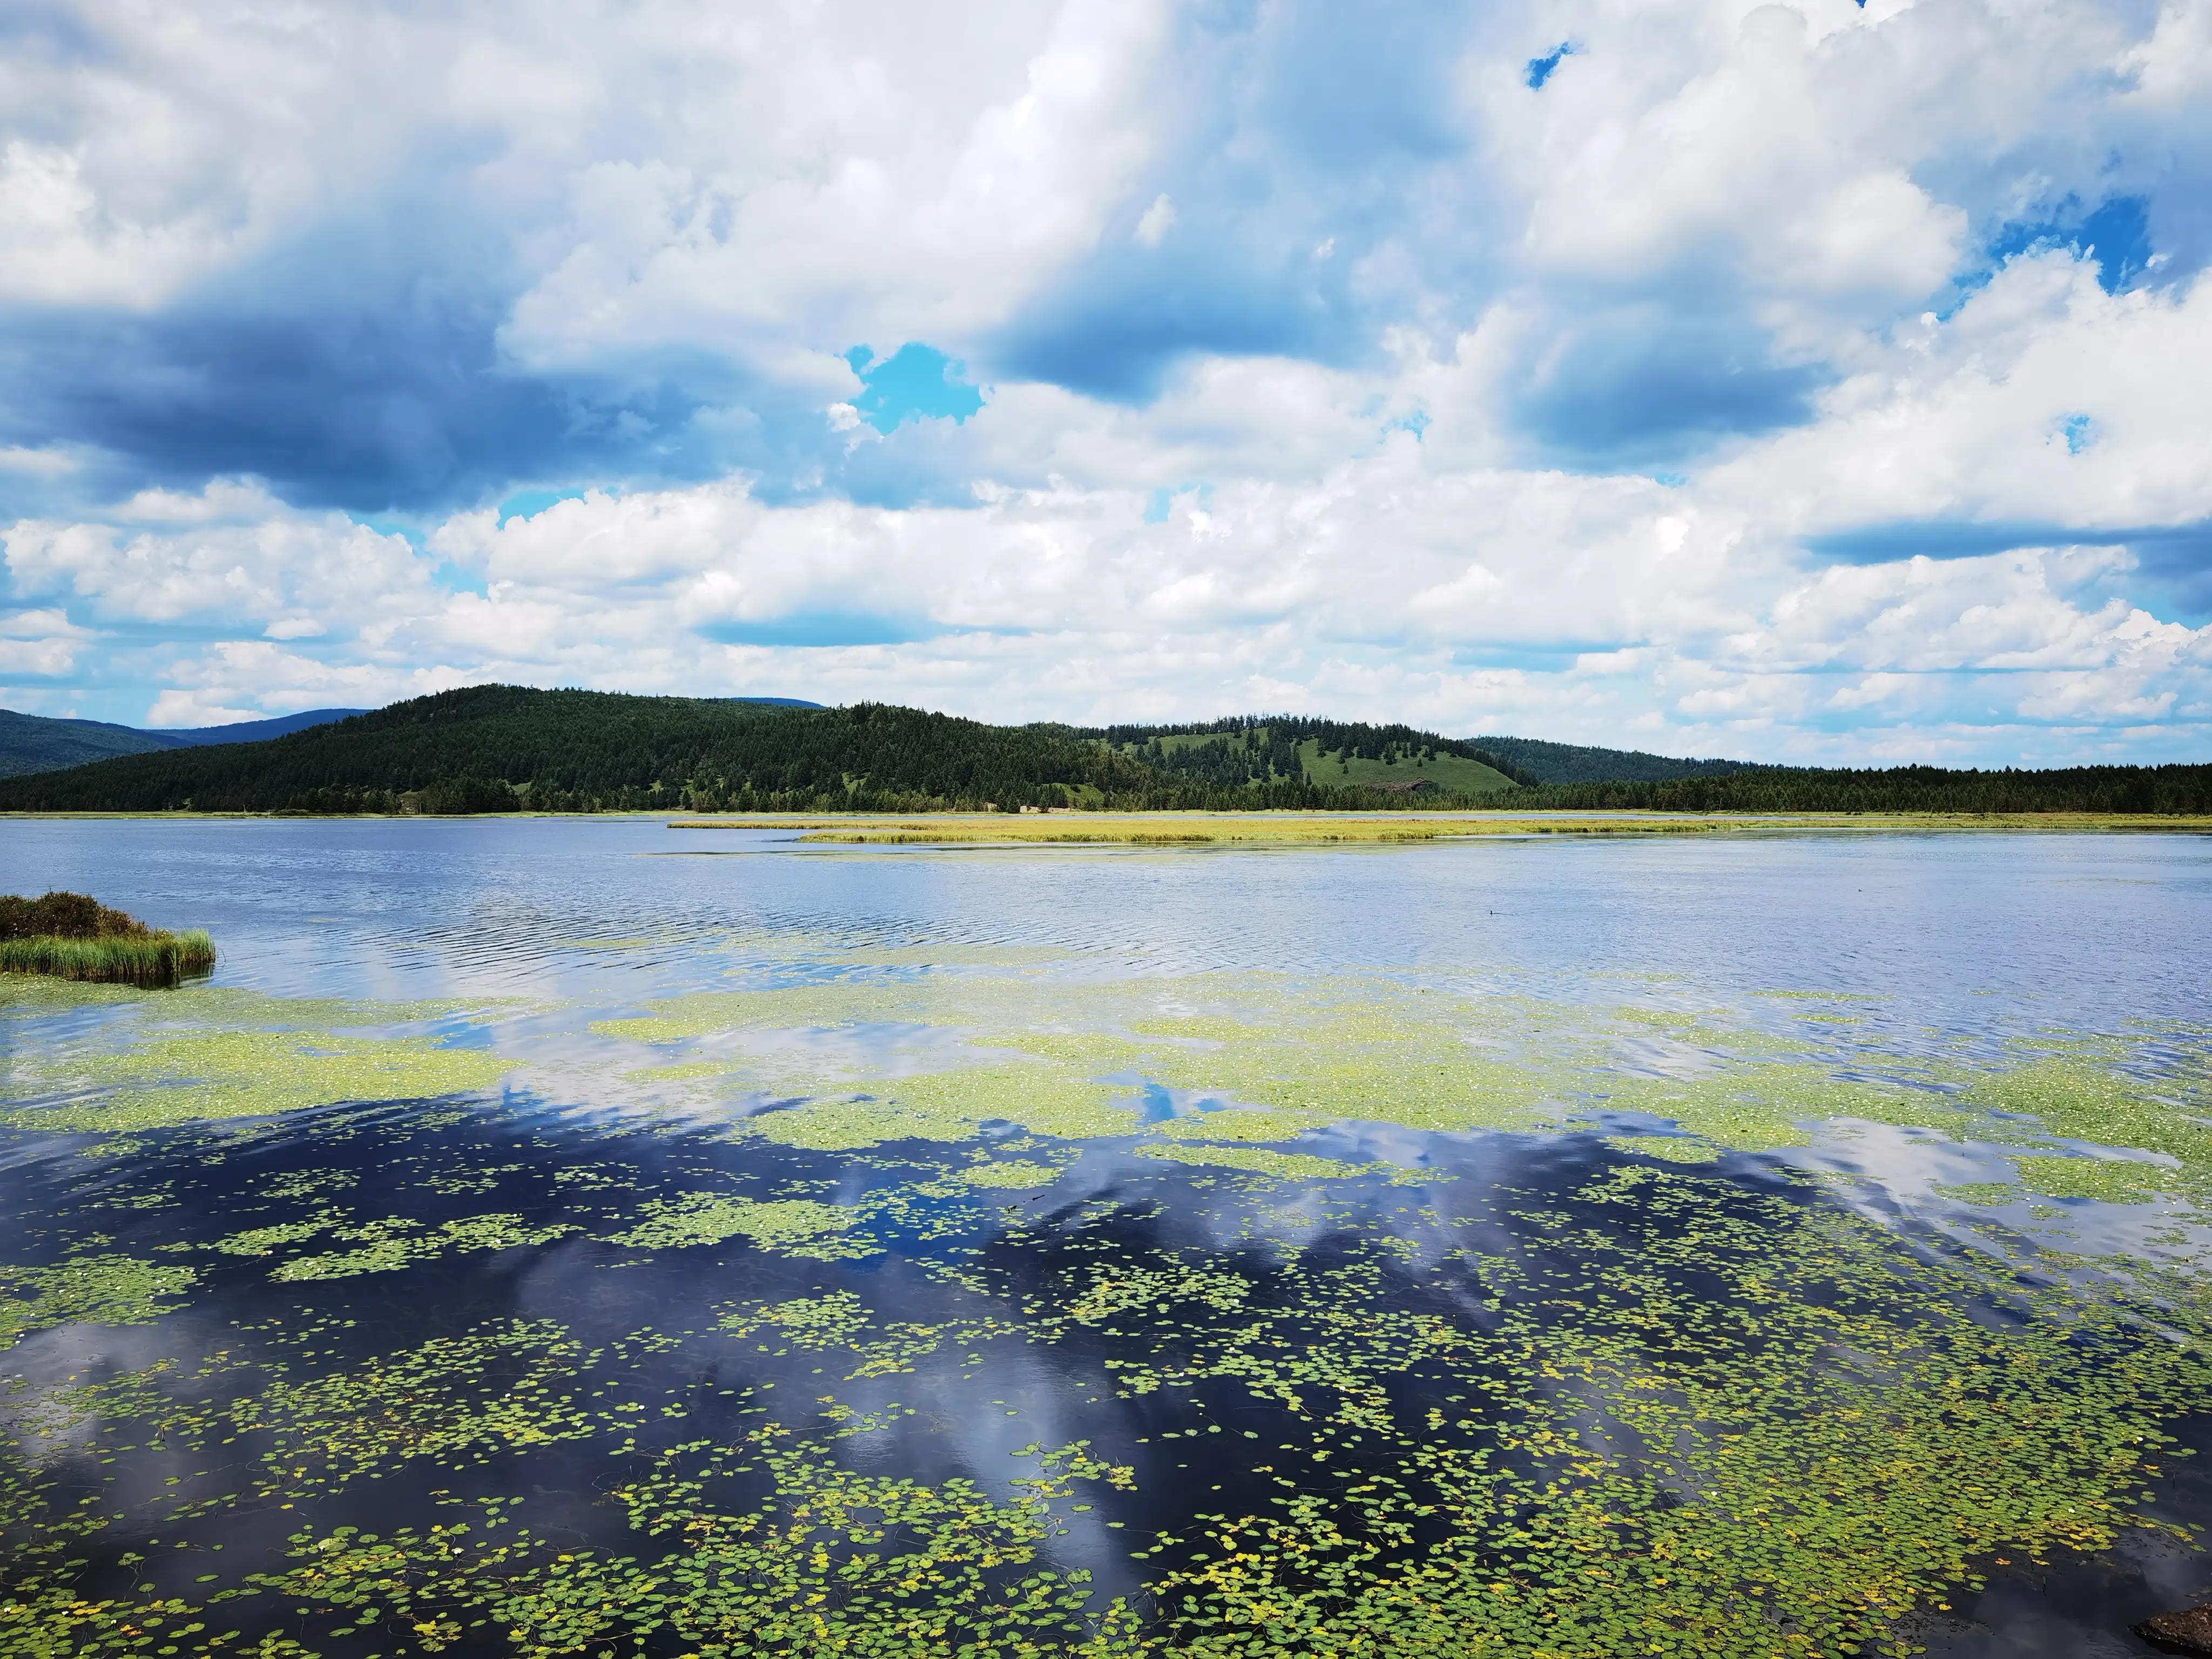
1965,418
63,247
1158,219
1391,588
231,553
862,181
47,462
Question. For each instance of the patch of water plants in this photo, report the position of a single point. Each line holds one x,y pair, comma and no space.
1017,1304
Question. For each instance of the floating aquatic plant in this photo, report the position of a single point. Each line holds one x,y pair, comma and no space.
383,1246
1283,1166
948,1106
216,1075
1011,1172
88,1290
796,1225
1672,1148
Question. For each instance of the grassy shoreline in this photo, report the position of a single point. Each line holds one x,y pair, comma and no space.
152,959
1191,829
65,935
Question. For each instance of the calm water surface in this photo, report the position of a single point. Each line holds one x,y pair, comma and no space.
546,1236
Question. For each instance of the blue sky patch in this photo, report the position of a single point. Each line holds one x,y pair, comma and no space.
817,628
1161,502
2117,233
1539,68
916,380
406,529
529,503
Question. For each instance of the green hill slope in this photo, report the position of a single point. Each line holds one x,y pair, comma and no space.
1330,754
1352,752
1459,775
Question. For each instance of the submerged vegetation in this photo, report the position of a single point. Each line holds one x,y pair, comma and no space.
73,936
504,749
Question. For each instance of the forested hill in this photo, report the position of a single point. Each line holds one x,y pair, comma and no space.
1261,748
1573,763
495,748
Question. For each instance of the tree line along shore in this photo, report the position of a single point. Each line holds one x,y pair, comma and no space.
500,749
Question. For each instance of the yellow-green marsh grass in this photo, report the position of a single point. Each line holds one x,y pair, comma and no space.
1224,828
74,936
1294,829
149,959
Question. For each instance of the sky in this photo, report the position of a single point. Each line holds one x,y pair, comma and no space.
1810,382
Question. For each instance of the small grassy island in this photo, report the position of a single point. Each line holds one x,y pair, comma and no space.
74,936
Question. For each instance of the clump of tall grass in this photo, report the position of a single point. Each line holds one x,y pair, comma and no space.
74,936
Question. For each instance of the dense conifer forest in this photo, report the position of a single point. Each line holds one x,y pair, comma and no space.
1573,763
494,748
2112,789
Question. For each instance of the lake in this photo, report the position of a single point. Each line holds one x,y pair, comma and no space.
545,1237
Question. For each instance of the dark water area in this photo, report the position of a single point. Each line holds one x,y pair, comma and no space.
544,1236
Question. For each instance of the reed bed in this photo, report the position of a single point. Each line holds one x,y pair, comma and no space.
1254,830
1292,829
145,959
72,936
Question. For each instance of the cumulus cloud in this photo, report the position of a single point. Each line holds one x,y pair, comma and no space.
230,553
1798,380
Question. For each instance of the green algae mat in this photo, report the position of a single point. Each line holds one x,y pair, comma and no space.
1684,1247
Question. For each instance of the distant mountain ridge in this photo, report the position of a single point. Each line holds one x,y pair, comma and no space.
40,743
